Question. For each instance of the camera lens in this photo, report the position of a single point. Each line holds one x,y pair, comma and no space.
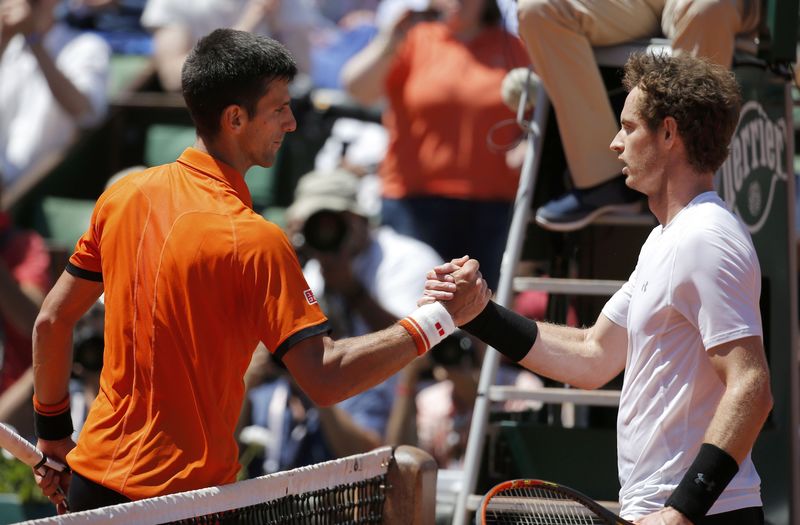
453,350
325,231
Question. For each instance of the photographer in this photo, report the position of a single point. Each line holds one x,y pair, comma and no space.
365,278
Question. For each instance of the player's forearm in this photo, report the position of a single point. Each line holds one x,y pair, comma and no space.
741,414
355,364
567,354
52,359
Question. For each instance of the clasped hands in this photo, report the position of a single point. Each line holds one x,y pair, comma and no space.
460,287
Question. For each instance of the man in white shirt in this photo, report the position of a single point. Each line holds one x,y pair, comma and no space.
685,328
177,25
52,81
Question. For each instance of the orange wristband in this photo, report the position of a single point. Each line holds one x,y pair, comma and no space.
52,422
51,410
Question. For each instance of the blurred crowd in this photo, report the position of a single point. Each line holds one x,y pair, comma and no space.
386,201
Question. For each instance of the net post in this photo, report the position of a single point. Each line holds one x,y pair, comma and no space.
411,488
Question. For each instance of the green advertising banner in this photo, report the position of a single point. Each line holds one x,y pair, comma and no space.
757,183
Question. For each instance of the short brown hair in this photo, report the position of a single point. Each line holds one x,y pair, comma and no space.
702,97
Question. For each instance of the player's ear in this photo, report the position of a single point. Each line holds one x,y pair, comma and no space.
233,118
669,130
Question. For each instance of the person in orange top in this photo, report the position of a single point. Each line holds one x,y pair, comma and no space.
193,280
441,181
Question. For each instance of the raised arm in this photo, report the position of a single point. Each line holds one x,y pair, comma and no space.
171,45
364,75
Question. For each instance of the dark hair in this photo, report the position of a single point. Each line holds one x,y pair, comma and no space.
702,97
231,67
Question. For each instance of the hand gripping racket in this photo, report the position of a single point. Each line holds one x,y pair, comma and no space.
539,502
27,453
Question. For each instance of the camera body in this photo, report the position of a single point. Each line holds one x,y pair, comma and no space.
326,231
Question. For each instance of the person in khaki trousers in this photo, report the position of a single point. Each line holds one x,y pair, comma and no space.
559,36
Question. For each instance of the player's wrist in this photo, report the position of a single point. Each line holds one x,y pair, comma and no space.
701,486
52,422
508,332
428,325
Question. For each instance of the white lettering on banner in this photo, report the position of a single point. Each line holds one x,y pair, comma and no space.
757,161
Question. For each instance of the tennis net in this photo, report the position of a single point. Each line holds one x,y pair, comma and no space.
347,490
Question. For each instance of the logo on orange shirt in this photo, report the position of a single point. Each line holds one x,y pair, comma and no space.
310,296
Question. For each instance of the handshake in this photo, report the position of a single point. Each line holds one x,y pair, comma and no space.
459,286
456,295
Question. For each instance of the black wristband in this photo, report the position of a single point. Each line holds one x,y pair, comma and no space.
52,428
707,477
506,331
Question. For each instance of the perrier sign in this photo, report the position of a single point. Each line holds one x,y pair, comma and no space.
755,172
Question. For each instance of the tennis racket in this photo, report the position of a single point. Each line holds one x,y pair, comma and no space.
542,503
27,453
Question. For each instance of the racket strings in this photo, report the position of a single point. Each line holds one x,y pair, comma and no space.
538,506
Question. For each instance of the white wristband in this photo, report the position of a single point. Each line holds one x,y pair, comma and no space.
428,325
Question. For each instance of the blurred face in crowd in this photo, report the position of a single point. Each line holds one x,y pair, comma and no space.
460,15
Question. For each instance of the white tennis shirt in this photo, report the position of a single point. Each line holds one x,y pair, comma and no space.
696,285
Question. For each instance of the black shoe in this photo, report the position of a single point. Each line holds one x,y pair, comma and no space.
579,207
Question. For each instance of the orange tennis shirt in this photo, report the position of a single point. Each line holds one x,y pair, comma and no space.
445,106
194,279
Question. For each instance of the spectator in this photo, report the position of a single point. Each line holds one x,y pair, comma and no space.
441,182
365,279
559,35
177,25
52,80
24,280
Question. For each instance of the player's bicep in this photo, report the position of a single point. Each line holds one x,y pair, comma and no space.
305,360
611,340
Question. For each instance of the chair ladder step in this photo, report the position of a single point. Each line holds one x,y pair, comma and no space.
567,286
606,398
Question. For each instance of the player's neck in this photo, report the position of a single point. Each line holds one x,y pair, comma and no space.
680,189
218,150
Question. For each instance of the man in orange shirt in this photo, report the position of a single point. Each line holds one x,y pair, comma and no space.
193,280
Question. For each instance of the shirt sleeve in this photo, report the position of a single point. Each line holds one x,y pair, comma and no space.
85,262
616,309
287,310
717,285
